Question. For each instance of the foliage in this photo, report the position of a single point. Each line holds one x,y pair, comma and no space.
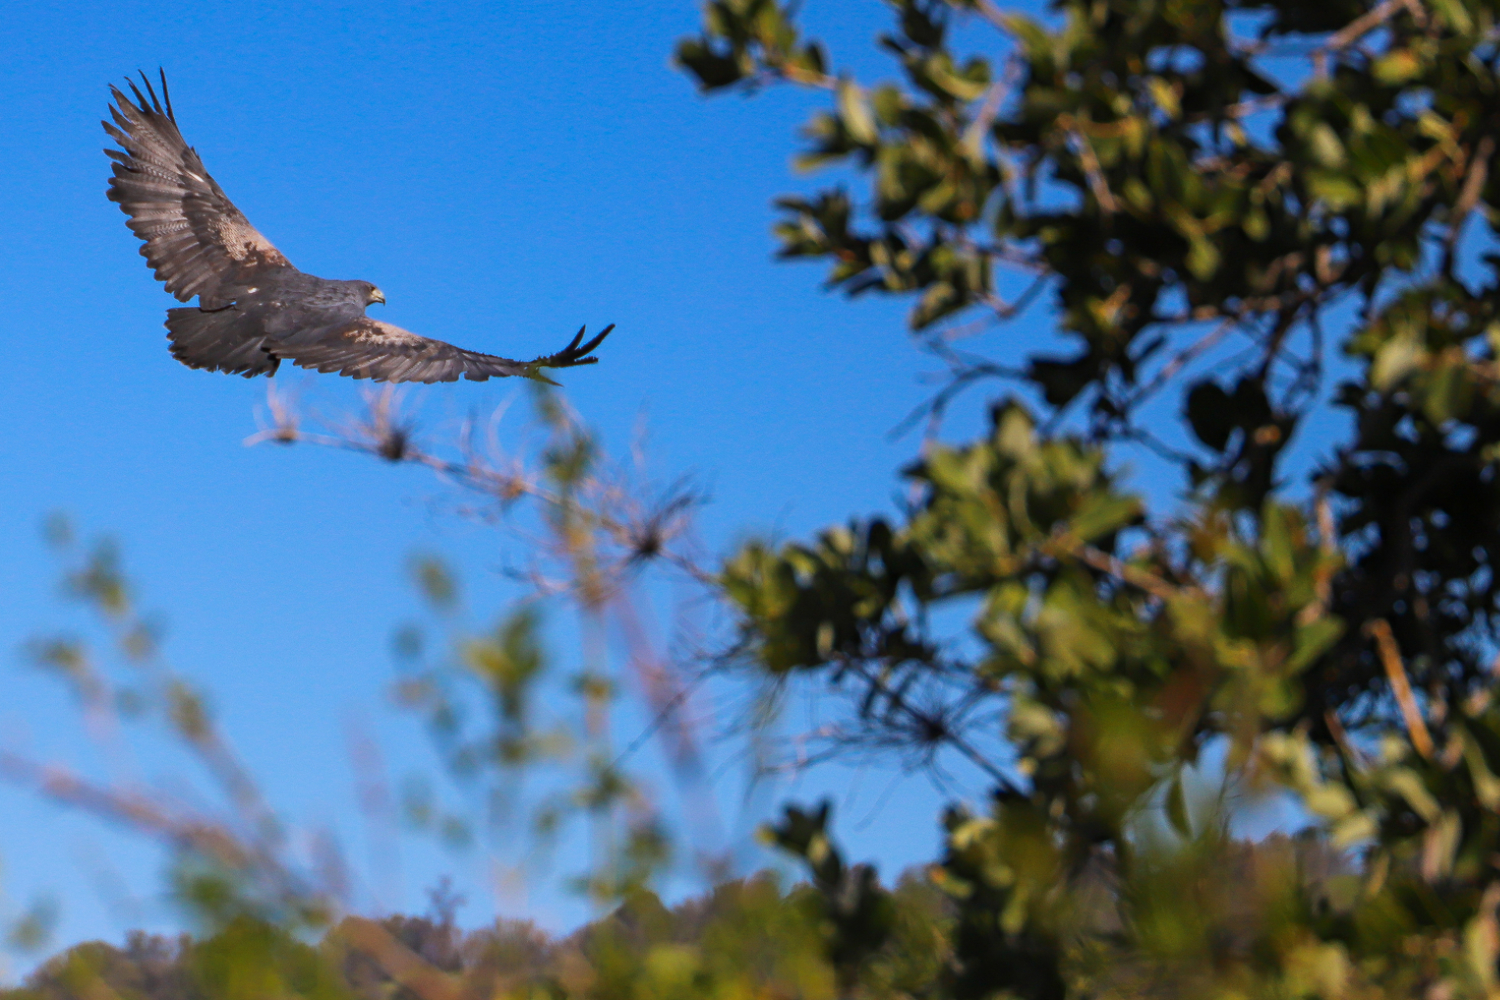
1215,195
744,938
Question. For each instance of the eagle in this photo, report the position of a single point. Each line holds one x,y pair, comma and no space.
255,309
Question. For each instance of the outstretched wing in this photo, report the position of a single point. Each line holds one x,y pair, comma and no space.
368,348
196,241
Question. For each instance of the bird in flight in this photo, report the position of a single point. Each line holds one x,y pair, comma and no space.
254,308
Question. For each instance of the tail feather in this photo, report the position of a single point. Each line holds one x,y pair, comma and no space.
224,340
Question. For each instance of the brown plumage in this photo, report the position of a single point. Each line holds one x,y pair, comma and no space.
254,308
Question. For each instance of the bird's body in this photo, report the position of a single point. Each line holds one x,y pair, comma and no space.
254,308
293,307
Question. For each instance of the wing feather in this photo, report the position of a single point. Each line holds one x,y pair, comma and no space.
368,348
194,239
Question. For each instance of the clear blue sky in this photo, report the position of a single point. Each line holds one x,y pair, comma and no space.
504,172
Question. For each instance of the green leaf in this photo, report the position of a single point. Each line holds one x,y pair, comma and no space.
1104,514
856,114
1446,391
1397,66
1455,14
1326,147
1396,359
1312,641
1335,190
713,70
1203,257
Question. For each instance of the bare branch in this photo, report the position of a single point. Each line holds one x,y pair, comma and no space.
898,701
1090,162
973,137
1359,28
992,13
1395,672
131,809
1183,358
1468,197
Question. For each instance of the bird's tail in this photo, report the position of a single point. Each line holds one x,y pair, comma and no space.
224,340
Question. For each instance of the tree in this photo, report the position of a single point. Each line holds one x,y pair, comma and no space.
1222,198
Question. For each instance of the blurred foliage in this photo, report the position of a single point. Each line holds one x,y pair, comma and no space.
1213,195
1272,216
747,938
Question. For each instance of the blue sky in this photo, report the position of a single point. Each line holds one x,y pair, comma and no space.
504,172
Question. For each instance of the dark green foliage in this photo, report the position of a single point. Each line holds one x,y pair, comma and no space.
1217,196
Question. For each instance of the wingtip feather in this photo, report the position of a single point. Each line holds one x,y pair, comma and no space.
155,103
165,96
140,104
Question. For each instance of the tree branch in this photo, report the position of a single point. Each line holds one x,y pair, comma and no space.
1390,657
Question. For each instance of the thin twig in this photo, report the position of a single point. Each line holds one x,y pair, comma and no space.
1184,357
664,714
898,702
1136,577
973,137
204,836
1355,30
1340,736
1091,168
992,13
961,375
1328,549
1140,435
377,437
1005,310
1246,107
1468,197
1395,672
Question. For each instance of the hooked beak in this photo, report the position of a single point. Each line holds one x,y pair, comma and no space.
376,295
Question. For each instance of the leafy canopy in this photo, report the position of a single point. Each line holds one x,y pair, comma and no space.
1276,217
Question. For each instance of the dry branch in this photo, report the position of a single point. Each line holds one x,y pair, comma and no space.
1411,714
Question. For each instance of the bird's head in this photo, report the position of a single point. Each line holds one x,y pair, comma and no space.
373,294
